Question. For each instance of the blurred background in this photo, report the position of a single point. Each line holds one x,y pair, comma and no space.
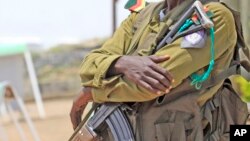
42,44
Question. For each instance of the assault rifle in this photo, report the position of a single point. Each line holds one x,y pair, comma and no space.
111,115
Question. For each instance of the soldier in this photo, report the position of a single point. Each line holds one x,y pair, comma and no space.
127,69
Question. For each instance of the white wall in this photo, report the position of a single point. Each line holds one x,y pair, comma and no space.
12,70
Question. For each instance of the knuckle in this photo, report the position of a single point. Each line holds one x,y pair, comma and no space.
164,71
151,64
143,77
139,77
148,87
140,82
135,76
145,70
162,78
148,69
156,82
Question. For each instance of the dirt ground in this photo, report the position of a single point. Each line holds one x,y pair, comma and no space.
55,126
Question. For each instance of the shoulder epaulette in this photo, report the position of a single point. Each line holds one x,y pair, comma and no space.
135,5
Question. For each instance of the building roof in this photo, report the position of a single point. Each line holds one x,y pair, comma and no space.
12,49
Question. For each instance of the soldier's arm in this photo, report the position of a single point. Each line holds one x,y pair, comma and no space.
95,65
182,64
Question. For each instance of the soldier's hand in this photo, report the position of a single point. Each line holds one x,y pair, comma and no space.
145,71
79,104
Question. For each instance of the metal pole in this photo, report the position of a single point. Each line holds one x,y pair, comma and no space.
34,84
27,117
17,124
114,15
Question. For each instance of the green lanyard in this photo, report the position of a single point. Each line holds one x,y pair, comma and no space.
198,79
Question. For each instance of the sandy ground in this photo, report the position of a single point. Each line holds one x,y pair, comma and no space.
55,126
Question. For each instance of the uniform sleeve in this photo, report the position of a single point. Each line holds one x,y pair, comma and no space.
96,64
182,64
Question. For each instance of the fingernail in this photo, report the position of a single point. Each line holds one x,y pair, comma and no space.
159,92
173,81
167,91
170,87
